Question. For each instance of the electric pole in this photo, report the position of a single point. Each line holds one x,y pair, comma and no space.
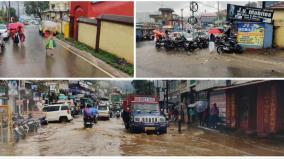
218,13
181,19
18,9
9,14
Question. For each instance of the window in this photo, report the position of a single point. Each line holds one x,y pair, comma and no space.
45,109
50,109
64,107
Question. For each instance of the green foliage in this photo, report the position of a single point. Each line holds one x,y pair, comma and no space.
36,7
143,87
107,57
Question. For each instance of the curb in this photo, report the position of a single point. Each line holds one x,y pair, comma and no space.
96,62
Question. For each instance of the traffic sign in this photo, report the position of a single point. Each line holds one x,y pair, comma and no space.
193,6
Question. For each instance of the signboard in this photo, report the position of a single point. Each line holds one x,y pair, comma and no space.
13,87
19,102
144,99
251,35
243,13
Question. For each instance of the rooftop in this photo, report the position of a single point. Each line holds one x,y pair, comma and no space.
278,5
166,10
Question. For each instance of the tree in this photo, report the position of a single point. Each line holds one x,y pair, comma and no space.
143,87
36,7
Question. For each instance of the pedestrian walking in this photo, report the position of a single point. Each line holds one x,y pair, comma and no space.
214,116
211,43
50,45
192,114
21,35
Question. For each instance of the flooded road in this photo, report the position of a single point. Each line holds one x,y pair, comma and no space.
152,62
31,60
109,138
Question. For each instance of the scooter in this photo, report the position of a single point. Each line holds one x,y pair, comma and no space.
88,122
229,46
117,114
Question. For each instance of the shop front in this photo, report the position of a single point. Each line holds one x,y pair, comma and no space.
256,107
253,25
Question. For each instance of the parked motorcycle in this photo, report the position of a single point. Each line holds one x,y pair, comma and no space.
19,132
229,45
43,121
177,43
160,43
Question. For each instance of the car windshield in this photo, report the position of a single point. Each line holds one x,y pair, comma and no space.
146,108
2,27
102,108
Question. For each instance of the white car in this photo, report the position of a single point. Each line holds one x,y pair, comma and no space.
4,32
57,112
103,112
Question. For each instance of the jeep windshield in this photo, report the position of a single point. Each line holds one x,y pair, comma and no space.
146,108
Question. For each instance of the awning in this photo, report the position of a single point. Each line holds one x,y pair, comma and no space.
241,85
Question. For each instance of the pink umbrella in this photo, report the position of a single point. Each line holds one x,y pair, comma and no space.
15,25
214,31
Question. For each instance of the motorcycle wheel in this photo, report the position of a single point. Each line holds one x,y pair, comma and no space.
190,49
239,49
220,50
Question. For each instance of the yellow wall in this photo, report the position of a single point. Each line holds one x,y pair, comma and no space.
278,18
65,29
117,39
87,34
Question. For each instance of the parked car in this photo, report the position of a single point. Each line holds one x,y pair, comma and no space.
103,112
58,112
4,32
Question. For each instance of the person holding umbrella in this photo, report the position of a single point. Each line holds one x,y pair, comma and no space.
50,41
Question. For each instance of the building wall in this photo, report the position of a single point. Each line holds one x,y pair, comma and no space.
117,39
87,34
278,18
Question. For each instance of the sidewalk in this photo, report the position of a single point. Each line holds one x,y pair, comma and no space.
110,70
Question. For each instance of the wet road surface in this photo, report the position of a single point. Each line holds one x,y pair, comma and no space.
109,138
31,60
151,62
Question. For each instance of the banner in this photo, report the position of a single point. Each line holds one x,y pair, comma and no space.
243,13
250,35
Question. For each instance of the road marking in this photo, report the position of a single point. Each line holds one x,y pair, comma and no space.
109,74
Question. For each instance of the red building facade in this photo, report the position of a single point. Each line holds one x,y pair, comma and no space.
92,10
257,108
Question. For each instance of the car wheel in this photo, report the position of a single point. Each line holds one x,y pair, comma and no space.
63,119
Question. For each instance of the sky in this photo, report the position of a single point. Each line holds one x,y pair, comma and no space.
209,6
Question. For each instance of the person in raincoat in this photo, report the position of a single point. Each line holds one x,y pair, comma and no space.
50,41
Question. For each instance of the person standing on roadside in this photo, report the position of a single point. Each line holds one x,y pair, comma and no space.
214,115
211,43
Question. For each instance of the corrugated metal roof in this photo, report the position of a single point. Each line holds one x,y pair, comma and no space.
241,85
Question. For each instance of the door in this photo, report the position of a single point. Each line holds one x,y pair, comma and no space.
246,102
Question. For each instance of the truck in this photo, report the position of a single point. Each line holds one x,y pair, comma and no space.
142,114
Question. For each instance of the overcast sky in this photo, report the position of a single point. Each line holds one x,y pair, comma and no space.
209,6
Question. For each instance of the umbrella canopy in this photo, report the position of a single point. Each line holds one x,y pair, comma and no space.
201,106
214,31
50,26
15,25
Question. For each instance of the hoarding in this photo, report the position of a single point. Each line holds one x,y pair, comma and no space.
251,35
243,13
